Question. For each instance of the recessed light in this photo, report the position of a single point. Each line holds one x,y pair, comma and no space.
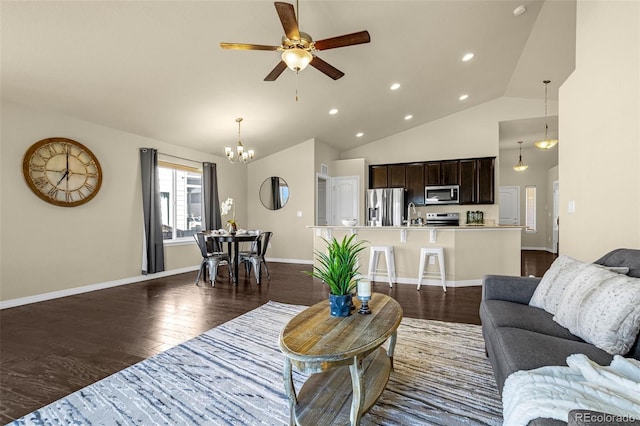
408,117
359,135
469,56
519,10
395,86
333,111
463,97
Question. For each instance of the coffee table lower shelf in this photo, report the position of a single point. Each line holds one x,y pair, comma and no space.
326,398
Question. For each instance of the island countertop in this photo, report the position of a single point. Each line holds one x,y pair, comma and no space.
470,251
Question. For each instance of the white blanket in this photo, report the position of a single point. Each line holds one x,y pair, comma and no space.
551,392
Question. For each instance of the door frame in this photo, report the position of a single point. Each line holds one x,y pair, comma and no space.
328,197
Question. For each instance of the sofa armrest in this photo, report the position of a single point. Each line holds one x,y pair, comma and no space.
511,289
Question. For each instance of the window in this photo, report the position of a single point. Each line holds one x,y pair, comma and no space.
530,209
180,201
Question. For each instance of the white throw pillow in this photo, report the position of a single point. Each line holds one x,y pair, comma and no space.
603,308
549,292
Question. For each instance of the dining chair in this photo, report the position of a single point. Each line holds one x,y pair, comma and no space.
257,258
212,256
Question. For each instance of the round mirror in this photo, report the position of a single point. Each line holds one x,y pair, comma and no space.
274,193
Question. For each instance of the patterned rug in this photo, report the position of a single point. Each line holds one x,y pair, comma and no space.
232,375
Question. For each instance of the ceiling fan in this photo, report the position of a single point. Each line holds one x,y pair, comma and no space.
297,47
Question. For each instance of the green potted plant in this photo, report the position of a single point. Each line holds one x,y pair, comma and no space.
338,269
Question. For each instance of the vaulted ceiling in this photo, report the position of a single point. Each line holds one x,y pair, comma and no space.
155,68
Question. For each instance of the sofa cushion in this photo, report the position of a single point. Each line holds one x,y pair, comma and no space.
603,308
515,349
549,292
623,257
500,313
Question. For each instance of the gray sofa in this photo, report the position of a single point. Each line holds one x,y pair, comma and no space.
520,337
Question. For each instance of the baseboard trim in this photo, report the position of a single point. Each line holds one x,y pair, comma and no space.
124,281
430,282
12,303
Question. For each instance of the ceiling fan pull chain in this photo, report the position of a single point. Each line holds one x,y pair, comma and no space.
297,86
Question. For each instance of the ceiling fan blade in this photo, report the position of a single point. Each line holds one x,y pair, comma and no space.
344,40
326,68
241,46
275,73
287,15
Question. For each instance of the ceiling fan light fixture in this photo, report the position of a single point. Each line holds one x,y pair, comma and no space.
297,59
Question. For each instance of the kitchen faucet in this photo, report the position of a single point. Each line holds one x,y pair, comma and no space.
409,206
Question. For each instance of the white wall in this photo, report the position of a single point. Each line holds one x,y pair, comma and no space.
46,248
291,240
536,175
599,132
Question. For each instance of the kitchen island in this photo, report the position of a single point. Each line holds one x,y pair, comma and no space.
470,251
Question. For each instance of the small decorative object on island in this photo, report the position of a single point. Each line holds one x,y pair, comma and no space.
226,206
338,270
475,218
364,294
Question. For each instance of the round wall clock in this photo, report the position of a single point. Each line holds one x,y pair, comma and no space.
62,171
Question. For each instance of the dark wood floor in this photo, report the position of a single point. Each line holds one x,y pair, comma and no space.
53,348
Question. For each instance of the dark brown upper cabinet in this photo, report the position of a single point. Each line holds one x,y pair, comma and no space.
467,181
450,172
486,180
397,178
414,176
378,177
476,177
477,180
441,172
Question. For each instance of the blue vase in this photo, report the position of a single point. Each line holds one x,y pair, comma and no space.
340,306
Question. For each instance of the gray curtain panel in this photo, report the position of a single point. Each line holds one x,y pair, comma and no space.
152,246
212,219
275,192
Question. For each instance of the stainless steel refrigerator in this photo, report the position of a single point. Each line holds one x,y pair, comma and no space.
385,206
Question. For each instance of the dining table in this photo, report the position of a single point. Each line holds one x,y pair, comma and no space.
233,246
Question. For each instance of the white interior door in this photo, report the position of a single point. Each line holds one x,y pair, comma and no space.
509,199
555,237
346,198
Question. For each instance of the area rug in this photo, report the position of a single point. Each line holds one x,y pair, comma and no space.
232,375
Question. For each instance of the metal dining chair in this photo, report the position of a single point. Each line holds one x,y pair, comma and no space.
212,256
257,258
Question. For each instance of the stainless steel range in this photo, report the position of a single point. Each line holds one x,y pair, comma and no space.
443,219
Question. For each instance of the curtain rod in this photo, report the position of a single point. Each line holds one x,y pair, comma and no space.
180,158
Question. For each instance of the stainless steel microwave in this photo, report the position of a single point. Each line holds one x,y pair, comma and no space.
442,194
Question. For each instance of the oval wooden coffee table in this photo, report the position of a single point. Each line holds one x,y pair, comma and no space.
316,343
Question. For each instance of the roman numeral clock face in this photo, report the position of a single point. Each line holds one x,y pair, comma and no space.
62,172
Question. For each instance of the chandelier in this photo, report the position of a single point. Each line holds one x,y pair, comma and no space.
239,154
546,143
520,167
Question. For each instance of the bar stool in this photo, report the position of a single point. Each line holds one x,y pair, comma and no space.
426,252
390,272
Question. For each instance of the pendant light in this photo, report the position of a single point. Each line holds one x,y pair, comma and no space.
239,154
520,167
546,143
